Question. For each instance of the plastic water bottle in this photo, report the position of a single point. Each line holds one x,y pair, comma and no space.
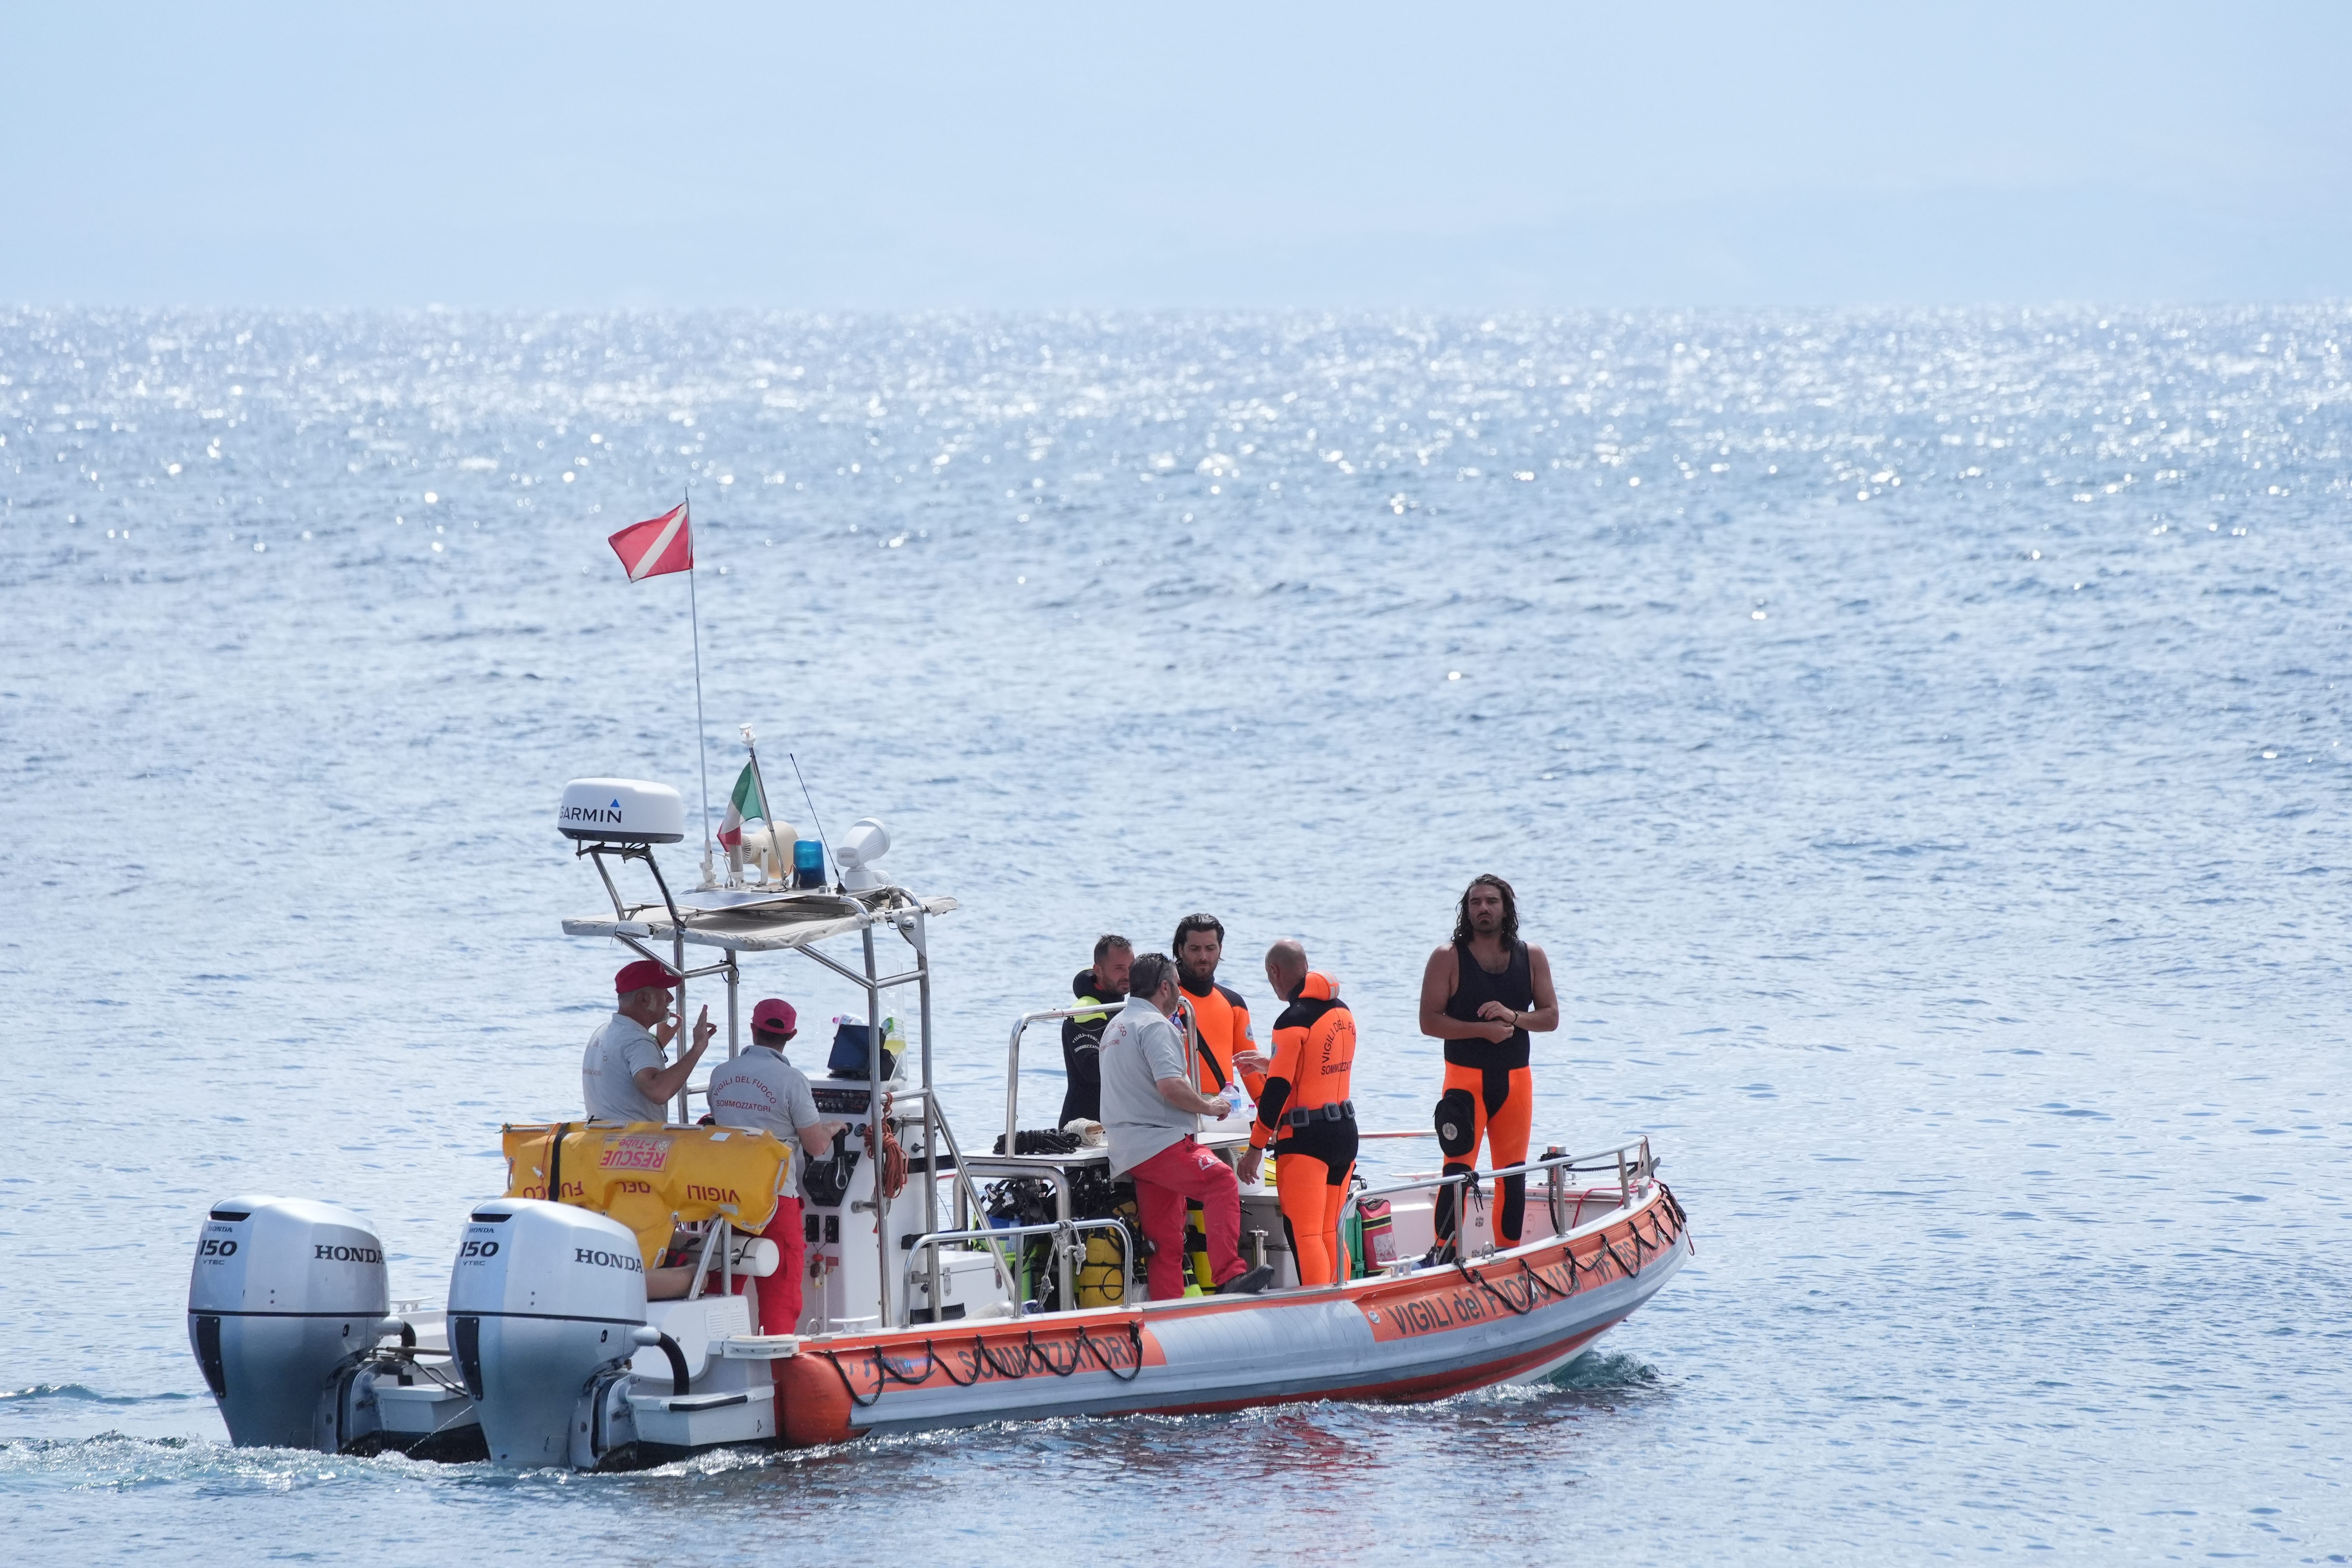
808,863
1237,1099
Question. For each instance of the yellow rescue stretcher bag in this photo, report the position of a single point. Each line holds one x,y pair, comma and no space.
649,1176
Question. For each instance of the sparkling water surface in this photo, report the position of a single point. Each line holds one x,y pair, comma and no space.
1914,736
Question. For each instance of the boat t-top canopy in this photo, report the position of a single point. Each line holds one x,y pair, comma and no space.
738,919
753,920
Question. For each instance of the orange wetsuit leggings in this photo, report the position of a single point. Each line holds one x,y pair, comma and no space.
1496,1106
1312,1192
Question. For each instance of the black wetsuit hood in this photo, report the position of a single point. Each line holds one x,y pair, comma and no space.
1081,1051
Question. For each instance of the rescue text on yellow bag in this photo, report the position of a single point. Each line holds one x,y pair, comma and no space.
649,1176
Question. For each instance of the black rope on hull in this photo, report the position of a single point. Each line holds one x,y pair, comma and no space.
866,1402
1032,1356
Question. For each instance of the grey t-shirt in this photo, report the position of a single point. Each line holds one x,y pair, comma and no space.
618,1052
1140,1047
760,1088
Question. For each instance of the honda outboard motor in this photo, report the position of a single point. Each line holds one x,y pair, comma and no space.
283,1292
542,1298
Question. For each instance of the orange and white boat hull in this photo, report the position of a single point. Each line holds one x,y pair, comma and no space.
1514,1317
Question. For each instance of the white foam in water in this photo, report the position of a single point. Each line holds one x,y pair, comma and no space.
1928,781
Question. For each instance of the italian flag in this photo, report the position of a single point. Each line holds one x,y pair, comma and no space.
746,802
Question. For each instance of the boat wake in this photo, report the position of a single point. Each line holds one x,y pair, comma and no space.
79,1393
1605,1372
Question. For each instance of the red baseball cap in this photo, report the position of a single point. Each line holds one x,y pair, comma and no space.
775,1016
645,971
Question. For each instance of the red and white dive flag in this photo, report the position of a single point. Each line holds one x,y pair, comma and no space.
658,544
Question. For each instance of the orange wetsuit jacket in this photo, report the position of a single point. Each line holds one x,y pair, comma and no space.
1220,1024
1313,1059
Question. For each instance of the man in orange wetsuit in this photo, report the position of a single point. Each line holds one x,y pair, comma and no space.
1482,993
1304,1113
1216,1023
1223,1043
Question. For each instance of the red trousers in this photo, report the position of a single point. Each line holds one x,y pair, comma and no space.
778,1294
1186,1169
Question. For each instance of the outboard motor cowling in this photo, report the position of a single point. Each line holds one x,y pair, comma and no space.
543,1295
283,1292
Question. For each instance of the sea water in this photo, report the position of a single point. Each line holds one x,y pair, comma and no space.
1916,740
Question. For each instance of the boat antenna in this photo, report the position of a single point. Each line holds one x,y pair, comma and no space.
823,844
752,744
701,743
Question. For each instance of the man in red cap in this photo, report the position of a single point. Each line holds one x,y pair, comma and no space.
760,1089
623,1077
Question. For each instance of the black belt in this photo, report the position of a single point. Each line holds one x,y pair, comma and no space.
1344,1111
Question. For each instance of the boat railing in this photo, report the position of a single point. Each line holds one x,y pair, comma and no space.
886,905
1033,1167
1040,1167
1630,1162
1066,1246
1013,1058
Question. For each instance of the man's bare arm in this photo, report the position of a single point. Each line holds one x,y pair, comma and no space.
662,1084
817,1137
1184,1097
1546,1016
1436,991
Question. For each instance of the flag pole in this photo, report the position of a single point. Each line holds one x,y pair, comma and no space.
767,813
701,745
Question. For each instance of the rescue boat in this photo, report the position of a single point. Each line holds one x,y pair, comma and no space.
983,1287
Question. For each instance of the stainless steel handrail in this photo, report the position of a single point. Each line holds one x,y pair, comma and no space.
1641,1168
967,1195
1036,1166
1030,1166
1012,1057
993,1235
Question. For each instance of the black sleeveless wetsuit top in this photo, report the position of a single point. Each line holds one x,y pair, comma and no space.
1474,987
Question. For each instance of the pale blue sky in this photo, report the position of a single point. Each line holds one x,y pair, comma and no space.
884,155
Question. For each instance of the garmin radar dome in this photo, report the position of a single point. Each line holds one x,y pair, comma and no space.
620,811
285,1292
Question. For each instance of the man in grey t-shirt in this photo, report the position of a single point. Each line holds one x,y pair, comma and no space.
760,1089
1148,1105
622,1075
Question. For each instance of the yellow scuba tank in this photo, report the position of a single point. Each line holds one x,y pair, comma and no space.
1099,1277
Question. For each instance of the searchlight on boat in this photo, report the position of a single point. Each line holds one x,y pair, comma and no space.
867,842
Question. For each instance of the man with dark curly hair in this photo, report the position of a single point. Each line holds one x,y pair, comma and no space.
1482,993
1224,1050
